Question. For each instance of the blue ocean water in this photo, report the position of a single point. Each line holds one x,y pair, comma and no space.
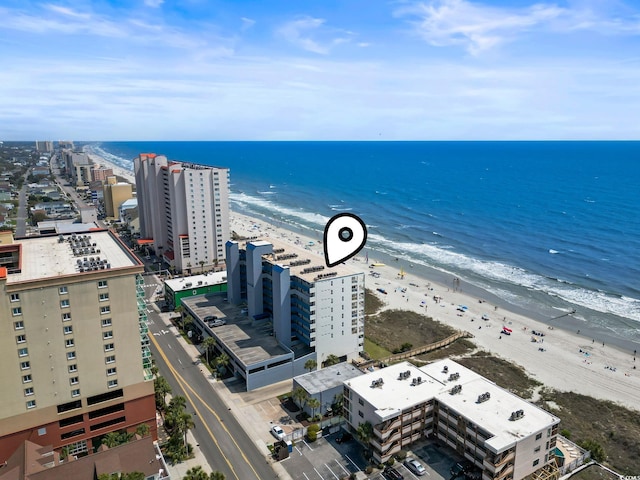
551,225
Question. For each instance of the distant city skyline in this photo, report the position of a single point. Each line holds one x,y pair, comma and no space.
331,70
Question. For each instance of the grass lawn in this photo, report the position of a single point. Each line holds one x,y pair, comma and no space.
374,350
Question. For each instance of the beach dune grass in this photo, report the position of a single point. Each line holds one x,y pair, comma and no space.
375,351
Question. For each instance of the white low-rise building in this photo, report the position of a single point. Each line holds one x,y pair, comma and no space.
504,436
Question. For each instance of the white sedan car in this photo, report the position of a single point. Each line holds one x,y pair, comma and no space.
277,432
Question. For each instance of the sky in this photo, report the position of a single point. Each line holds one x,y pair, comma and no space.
320,70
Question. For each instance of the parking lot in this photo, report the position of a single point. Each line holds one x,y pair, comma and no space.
325,459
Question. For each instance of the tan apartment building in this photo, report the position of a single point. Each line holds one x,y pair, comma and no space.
100,174
74,348
115,194
504,436
184,210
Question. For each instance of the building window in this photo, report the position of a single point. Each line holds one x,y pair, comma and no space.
69,343
102,284
361,401
15,297
108,347
21,338
107,335
111,371
31,404
68,329
539,436
105,310
28,391
106,322
18,325
110,359
536,462
25,365
23,352
74,380
71,355
112,383
16,311
63,290
26,379
64,303
75,393
73,368
537,449
66,317
103,297
360,413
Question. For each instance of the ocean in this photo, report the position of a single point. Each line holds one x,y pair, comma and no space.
547,227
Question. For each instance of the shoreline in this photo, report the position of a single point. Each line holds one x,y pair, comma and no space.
569,362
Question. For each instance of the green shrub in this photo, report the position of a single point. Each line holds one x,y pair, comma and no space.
391,461
565,433
401,455
368,470
312,432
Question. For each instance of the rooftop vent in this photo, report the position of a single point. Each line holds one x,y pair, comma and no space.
484,397
454,376
404,375
445,369
517,415
455,390
377,383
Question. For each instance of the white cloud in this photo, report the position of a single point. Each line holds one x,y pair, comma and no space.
475,26
312,35
153,3
247,23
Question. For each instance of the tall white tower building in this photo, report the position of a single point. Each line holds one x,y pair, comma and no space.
184,209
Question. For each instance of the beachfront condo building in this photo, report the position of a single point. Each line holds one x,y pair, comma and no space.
77,167
114,195
313,309
183,211
44,146
74,348
504,436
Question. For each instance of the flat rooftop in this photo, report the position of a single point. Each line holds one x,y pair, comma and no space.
211,278
249,341
300,259
53,256
328,378
493,415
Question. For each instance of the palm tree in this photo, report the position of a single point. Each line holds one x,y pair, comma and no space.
222,362
111,439
301,396
202,262
208,345
177,404
313,403
364,433
310,364
196,473
331,360
184,423
162,389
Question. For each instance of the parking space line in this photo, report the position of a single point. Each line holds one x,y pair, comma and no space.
299,451
307,445
305,475
354,463
328,467
318,473
342,466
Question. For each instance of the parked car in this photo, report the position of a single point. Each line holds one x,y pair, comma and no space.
277,432
415,466
344,437
391,473
213,321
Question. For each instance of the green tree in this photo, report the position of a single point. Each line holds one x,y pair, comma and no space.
310,364
202,262
162,389
143,430
331,360
312,432
196,473
217,476
300,396
184,423
111,439
313,404
208,345
597,452
338,403
222,362
364,432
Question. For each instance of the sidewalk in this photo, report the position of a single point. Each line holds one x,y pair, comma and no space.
249,419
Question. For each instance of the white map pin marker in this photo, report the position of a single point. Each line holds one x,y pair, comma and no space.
344,236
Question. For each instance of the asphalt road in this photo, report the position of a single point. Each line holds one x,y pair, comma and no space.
225,445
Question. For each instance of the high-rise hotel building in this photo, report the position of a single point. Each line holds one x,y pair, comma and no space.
74,348
313,308
184,209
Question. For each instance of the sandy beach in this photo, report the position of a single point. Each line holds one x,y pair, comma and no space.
561,359
117,170
566,361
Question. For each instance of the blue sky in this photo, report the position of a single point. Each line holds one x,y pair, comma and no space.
323,69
